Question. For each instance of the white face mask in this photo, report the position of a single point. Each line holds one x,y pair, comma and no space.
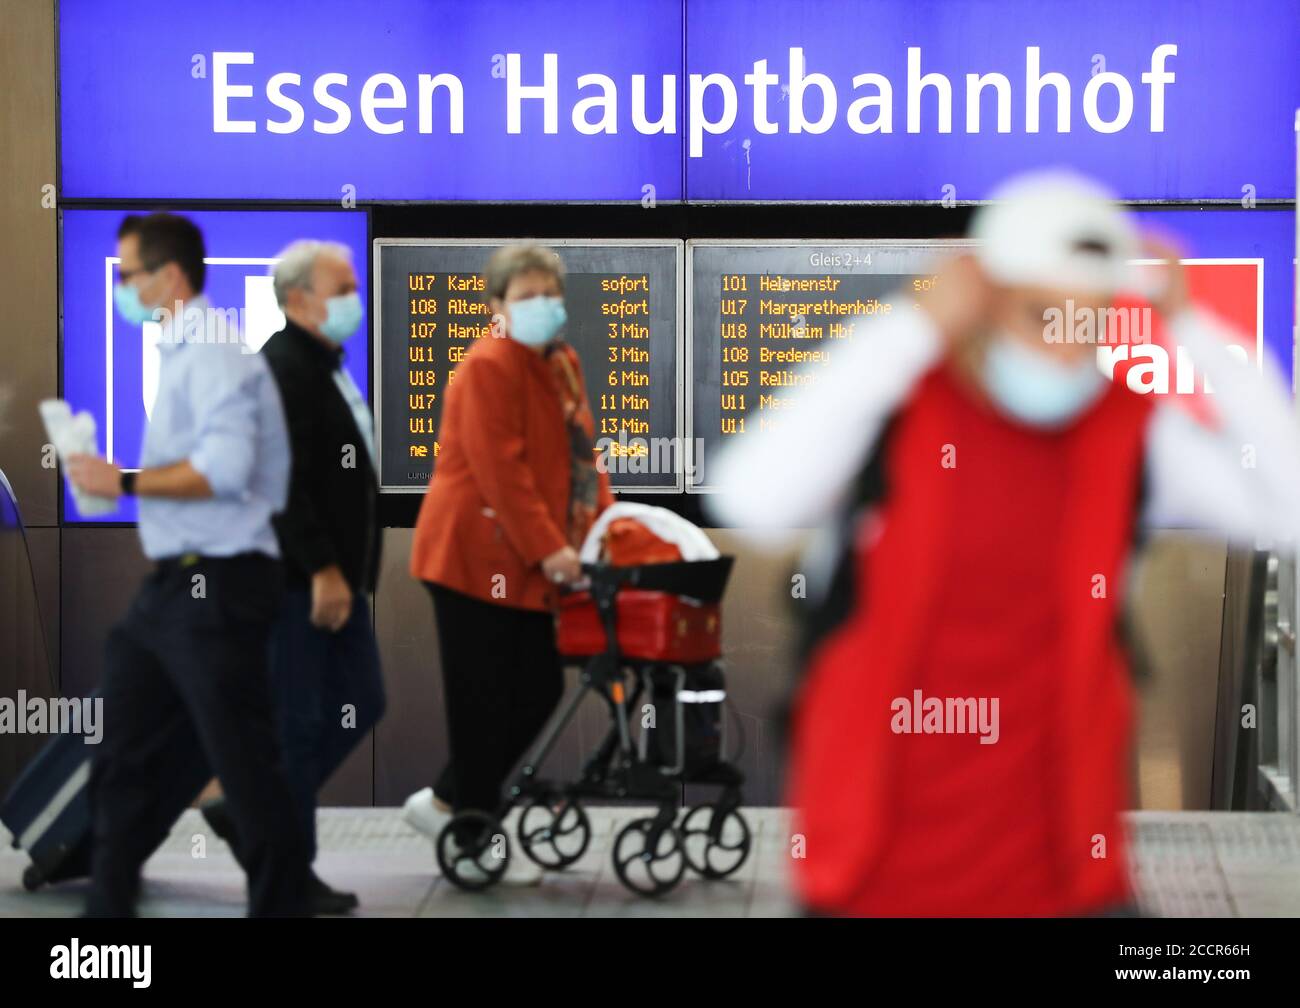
1036,390
534,321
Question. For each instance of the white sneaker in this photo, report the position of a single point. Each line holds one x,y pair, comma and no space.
422,815
469,871
476,871
522,870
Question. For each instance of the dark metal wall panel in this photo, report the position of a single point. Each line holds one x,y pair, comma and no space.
1178,606
28,345
102,568
411,741
1178,603
29,280
24,660
353,783
759,625
43,548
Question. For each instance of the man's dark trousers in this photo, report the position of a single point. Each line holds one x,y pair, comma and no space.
329,693
186,690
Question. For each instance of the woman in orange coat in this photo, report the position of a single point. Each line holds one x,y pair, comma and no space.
514,491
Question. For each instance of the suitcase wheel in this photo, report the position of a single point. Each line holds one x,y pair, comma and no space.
33,878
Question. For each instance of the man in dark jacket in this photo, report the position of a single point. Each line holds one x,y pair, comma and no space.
325,672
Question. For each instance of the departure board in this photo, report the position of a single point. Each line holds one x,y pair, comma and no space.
623,302
767,317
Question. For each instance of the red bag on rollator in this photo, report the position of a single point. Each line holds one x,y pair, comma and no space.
652,625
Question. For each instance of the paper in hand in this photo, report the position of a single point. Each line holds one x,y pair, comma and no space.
74,435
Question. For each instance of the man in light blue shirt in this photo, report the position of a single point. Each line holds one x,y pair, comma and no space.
218,412
185,688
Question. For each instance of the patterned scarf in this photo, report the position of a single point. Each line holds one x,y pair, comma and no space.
584,483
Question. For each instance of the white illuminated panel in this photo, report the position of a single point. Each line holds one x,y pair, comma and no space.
260,318
151,333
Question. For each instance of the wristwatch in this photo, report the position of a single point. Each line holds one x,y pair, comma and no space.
127,482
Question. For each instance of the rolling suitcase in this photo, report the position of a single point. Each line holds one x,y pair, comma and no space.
47,811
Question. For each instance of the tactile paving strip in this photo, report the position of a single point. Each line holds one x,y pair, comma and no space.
345,831
1186,864
1216,864
1177,872
1265,839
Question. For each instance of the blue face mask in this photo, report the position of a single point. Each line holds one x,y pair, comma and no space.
1036,390
342,317
126,299
535,321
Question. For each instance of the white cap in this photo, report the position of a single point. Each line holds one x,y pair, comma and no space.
1055,229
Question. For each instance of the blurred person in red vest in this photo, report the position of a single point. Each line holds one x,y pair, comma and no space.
961,737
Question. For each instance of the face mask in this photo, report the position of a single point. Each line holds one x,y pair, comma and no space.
535,321
1035,390
342,317
126,299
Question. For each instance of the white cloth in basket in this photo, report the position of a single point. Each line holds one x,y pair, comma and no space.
673,528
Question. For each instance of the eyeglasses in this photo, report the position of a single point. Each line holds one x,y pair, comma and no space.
125,275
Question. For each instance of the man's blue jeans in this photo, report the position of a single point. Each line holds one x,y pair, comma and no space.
328,692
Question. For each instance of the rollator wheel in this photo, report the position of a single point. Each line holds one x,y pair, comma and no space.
714,849
648,864
480,861
554,836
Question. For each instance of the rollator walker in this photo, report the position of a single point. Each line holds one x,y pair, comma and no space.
648,639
